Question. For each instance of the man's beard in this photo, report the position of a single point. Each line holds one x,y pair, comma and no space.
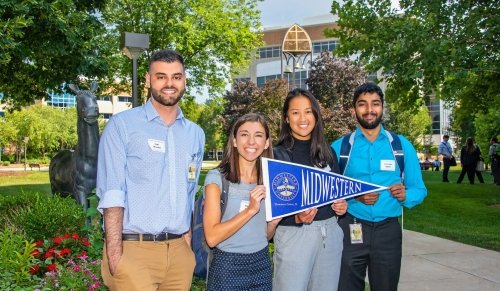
164,100
369,124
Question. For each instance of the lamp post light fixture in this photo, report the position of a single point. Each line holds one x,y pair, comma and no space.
133,45
296,49
25,139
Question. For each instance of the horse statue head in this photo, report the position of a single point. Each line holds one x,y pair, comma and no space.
86,105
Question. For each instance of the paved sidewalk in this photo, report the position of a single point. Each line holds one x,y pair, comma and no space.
432,263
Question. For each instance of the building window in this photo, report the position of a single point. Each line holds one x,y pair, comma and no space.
261,81
106,115
236,80
269,52
104,98
435,114
322,46
372,76
124,99
300,79
64,100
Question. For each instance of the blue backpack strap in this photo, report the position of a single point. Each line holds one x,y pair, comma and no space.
224,194
397,151
345,151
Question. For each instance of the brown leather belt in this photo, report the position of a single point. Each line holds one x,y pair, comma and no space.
150,237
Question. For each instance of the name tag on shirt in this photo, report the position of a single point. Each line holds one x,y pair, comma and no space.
156,145
244,205
387,165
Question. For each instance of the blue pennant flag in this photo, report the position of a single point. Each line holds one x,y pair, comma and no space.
292,188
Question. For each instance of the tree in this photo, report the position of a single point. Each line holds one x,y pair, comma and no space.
415,125
8,132
246,97
332,81
239,101
487,126
211,121
46,43
216,37
49,129
434,46
269,102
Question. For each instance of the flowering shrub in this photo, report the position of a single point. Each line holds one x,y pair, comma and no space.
51,253
77,273
62,262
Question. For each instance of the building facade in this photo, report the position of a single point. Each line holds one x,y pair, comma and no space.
269,65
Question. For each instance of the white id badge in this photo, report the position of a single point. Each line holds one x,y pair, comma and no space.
356,233
244,204
387,165
192,172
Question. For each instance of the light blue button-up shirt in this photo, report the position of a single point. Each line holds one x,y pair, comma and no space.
365,165
143,166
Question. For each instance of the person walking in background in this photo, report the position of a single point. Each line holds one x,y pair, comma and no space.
469,156
372,233
148,167
307,245
494,154
480,160
240,236
446,152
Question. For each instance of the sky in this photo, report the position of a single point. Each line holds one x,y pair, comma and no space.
287,12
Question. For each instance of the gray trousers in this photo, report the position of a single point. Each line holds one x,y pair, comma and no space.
308,257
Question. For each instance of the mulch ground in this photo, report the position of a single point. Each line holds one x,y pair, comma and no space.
13,173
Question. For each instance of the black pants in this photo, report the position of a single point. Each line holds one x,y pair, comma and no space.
380,252
471,172
446,169
479,177
495,170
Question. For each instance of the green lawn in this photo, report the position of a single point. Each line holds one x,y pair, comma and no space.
460,212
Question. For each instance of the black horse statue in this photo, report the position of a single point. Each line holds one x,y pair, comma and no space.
75,172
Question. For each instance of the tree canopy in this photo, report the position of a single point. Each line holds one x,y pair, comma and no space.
246,97
46,43
216,37
447,48
333,81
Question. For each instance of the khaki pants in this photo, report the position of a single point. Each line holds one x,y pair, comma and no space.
146,265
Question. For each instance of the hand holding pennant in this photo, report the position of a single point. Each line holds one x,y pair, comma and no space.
292,188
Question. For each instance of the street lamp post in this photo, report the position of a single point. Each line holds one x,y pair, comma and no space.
133,45
26,139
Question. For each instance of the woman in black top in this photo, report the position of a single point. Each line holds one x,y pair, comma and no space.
469,156
308,245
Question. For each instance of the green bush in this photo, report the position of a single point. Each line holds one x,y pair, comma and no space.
15,261
38,216
5,163
10,205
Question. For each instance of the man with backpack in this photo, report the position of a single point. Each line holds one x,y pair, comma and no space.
372,233
494,153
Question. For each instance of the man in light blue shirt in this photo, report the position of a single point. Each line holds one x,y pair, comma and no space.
372,233
445,150
148,167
